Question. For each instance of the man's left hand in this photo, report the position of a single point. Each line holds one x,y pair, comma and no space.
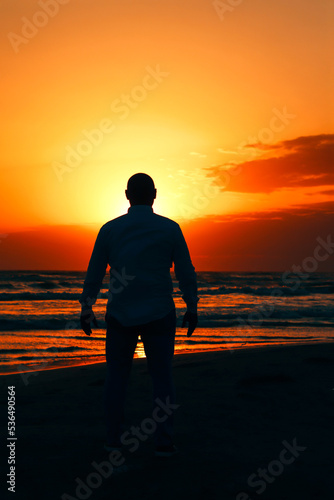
86,318
192,320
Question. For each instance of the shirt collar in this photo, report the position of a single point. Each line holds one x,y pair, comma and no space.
140,209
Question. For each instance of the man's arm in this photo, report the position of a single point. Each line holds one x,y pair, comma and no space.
93,281
186,276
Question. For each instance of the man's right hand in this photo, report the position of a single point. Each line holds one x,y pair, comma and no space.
192,320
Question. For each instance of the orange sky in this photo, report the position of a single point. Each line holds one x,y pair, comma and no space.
230,111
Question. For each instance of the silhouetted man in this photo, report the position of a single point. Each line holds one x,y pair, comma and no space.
140,248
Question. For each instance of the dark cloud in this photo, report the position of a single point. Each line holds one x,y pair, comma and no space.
328,192
302,162
261,241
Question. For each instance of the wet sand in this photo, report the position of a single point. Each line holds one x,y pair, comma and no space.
252,424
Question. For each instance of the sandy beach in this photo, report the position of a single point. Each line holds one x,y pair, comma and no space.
252,423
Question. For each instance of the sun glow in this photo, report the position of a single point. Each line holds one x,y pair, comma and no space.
107,89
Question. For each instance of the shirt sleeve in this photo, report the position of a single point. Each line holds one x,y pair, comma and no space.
95,272
185,272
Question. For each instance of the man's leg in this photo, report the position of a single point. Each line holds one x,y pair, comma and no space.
158,338
120,346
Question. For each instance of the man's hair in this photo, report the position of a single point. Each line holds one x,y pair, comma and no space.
141,189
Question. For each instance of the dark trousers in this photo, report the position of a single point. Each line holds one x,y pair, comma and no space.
158,338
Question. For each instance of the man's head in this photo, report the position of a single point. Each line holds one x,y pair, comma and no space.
141,190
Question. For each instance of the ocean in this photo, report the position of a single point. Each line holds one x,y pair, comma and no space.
39,316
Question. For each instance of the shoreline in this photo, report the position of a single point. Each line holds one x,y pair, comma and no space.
62,366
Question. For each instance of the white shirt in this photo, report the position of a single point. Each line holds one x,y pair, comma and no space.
140,248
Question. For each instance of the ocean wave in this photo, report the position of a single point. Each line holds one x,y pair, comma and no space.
45,284
44,358
56,284
283,291
10,297
47,349
70,284
9,325
45,335
55,295
13,351
275,325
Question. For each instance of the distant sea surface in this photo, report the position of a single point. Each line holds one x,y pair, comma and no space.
39,316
